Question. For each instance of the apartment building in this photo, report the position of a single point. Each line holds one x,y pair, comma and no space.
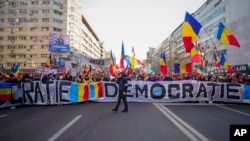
25,27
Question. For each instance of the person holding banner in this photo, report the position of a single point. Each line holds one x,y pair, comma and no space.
123,85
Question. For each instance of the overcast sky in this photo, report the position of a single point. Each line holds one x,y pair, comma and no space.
138,23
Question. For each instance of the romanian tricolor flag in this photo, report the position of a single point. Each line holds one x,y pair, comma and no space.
96,90
122,57
163,65
183,68
191,29
78,92
225,36
111,64
195,56
16,71
48,63
132,62
5,91
217,62
225,64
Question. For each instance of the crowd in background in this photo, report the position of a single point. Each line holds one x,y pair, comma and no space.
84,78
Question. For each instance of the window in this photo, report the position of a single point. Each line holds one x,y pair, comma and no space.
45,19
46,2
34,11
57,21
44,55
35,20
213,15
21,46
45,11
43,46
58,13
20,29
45,37
1,38
33,28
23,11
1,29
34,2
1,12
22,3
1,47
57,4
22,20
33,37
12,56
57,29
1,20
21,56
11,38
21,37
11,20
45,28
9,47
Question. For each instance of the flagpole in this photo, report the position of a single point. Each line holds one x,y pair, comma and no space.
215,49
211,40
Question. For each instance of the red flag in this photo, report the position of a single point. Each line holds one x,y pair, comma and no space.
122,57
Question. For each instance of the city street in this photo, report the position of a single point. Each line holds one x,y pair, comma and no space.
143,122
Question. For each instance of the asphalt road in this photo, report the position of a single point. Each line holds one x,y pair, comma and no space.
143,122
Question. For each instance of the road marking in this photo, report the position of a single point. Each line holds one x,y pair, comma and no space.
61,131
234,110
3,116
191,104
190,132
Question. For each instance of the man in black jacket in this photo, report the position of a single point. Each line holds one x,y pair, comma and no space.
123,85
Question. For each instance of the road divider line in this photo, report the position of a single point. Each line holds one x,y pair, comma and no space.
184,130
61,131
234,110
190,132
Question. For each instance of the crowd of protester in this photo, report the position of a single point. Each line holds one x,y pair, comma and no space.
86,78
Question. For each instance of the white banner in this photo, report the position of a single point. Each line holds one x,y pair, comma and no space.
58,92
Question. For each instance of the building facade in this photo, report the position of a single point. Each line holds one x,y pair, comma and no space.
25,26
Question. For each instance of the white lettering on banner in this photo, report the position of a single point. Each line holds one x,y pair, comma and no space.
55,92
42,70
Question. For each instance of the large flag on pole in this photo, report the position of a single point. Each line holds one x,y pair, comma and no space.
132,62
225,64
122,57
111,65
191,29
183,68
49,60
163,65
225,36
217,62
